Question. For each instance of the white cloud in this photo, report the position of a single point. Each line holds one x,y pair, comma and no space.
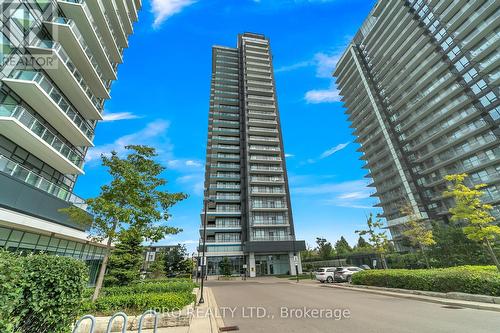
325,63
329,95
293,67
155,135
333,150
289,155
109,116
163,9
352,194
144,136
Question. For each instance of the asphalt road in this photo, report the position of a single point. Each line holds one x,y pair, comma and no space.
276,305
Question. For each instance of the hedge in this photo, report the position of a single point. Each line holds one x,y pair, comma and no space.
484,280
163,280
40,292
159,287
138,303
161,295
11,292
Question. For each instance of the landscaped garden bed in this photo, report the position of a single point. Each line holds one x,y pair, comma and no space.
483,280
162,295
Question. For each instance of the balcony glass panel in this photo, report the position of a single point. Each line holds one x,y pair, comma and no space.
56,97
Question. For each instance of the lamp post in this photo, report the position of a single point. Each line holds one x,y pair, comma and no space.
203,256
295,255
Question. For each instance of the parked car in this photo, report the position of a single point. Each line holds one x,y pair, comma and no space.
325,274
344,274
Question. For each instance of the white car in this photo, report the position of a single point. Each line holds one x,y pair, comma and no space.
344,274
325,274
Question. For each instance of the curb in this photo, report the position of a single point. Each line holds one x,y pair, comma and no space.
431,297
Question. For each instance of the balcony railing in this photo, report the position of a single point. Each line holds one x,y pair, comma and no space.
39,129
19,172
83,44
56,97
48,44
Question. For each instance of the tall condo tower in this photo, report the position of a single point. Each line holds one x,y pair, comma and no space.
247,199
58,59
420,82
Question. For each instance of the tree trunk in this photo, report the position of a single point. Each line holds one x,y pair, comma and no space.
102,271
425,257
384,263
492,253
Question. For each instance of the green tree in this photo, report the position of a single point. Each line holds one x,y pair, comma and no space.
225,266
157,267
133,199
176,261
342,247
377,238
308,254
362,243
126,259
324,248
469,209
453,248
417,232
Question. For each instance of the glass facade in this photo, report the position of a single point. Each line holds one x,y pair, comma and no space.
56,75
246,179
27,242
419,82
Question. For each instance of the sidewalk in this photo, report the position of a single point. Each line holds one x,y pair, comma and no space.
204,319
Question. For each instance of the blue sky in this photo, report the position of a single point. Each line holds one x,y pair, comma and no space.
162,95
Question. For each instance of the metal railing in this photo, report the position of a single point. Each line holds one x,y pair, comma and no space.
49,88
41,131
16,170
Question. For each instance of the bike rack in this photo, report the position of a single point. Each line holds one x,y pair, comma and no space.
92,325
155,326
112,319
116,315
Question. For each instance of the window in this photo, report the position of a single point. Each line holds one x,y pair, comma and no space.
5,47
470,75
462,63
495,113
487,100
478,87
23,18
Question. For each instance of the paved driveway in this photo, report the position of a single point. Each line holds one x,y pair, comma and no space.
276,305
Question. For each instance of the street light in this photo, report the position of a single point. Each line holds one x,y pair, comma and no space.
203,256
296,261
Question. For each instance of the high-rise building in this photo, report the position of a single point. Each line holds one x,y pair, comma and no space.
249,216
420,82
58,59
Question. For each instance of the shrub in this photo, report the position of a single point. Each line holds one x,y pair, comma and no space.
138,303
160,287
40,292
167,280
54,291
467,279
11,292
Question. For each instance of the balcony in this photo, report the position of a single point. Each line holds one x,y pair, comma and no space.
116,23
124,16
78,11
41,94
132,9
103,23
67,77
20,126
68,35
19,172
